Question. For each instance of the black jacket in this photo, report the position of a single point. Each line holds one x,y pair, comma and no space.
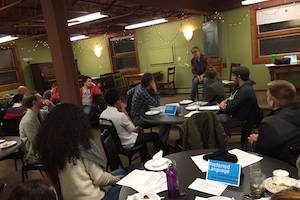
242,104
279,134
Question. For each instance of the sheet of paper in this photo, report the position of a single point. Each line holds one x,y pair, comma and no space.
207,186
244,159
191,113
269,65
145,181
200,198
216,107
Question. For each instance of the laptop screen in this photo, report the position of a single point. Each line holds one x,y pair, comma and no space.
170,110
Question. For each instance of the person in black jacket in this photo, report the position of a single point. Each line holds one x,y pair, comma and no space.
242,103
279,133
241,108
215,89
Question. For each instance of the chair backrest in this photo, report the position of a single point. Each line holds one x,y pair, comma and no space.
108,125
171,74
110,150
129,101
216,63
232,66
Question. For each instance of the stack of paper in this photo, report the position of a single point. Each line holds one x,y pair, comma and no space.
244,159
145,181
207,186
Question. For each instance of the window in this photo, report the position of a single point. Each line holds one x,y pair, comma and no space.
123,54
275,29
10,74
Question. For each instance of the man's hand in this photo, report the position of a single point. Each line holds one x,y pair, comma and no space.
153,86
201,77
223,105
252,138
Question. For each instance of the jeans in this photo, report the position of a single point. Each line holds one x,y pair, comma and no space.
87,109
195,83
114,191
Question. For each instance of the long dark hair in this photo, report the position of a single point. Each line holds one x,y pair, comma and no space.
33,190
64,129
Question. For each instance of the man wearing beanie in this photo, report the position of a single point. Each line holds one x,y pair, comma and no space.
241,108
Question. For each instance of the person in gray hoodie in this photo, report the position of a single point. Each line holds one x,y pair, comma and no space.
279,133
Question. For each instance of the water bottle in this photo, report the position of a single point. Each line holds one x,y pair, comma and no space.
173,186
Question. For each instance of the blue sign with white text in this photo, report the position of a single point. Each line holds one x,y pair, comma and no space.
224,172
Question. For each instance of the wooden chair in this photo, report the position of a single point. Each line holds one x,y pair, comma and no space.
170,82
106,124
229,84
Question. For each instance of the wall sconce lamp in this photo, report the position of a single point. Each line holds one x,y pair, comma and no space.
98,50
188,32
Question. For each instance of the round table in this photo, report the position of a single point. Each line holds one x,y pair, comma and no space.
187,172
9,150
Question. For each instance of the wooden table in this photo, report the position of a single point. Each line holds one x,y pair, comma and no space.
187,172
275,70
133,79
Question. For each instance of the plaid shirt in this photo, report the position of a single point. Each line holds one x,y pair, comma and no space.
142,100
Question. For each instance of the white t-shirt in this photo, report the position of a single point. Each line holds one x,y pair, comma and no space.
86,97
123,125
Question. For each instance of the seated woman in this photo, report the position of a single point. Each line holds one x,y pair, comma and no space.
215,89
65,146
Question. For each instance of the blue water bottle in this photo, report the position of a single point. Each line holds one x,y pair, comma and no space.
173,186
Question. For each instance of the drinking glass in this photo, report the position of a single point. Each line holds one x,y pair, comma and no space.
256,182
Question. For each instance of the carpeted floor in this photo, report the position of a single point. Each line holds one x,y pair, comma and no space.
12,178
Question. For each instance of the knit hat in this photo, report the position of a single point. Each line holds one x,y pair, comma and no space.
242,72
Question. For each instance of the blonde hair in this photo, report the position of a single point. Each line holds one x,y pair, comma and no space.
289,194
283,91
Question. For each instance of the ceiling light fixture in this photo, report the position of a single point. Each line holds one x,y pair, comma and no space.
249,2
7,38
78,37
86,18
148,23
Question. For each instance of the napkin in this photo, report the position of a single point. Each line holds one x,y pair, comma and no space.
191,113
158,155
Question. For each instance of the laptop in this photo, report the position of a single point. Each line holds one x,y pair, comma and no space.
170,110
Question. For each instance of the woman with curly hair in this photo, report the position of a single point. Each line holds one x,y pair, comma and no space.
65,146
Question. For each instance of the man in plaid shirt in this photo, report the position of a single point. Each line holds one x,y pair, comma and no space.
146,96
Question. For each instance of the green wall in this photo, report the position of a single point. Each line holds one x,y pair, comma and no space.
164,45
88,63
235,47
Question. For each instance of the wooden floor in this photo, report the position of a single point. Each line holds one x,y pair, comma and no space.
11,177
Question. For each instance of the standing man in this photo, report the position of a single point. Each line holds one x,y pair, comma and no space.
199,65
279,133
87,93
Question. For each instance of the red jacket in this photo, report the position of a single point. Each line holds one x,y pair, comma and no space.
94,91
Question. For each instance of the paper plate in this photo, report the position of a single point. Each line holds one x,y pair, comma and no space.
219,198
7,144
2,140
152,112
273,187
143,196
152,167
185,102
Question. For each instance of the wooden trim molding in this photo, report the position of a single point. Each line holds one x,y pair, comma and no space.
255,36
